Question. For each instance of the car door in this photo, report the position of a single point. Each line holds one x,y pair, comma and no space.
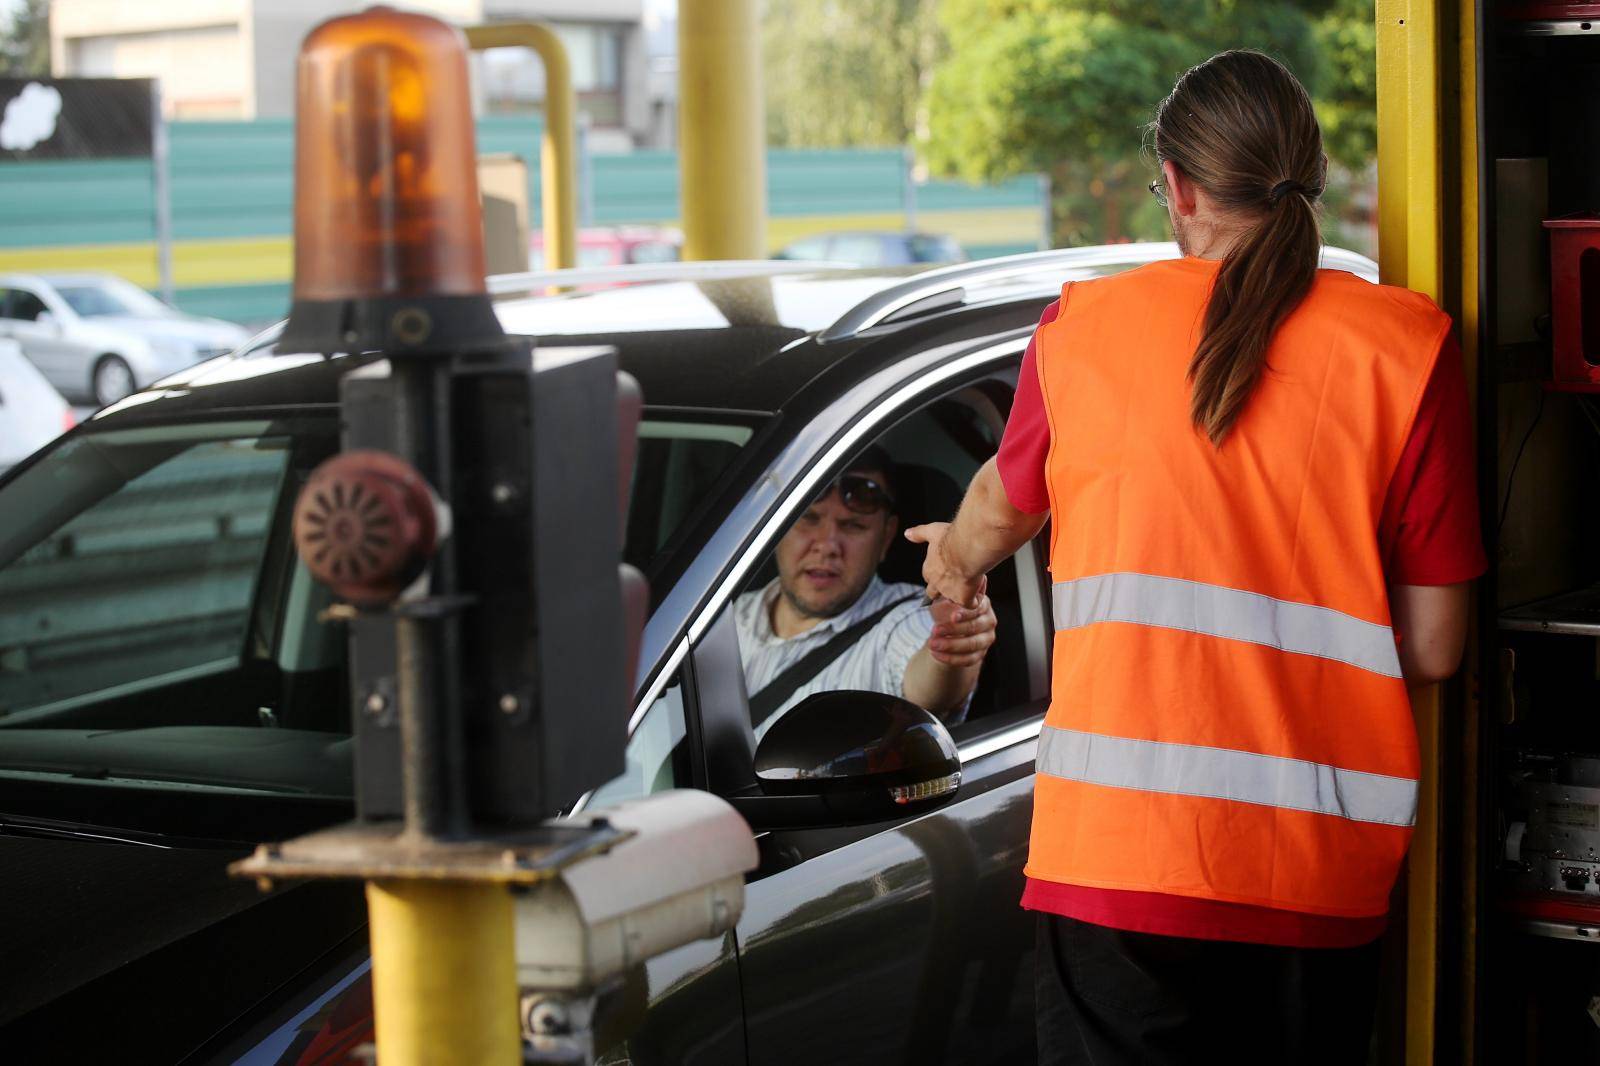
46,343
898,941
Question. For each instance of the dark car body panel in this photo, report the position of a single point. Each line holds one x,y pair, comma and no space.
131,952
908,941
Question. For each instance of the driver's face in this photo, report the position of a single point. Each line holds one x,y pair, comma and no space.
827,558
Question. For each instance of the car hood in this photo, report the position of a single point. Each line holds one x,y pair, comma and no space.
202,333
151,928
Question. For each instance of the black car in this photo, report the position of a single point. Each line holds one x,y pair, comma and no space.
172,691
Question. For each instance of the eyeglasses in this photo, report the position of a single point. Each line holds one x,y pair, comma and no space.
1159,191
859,493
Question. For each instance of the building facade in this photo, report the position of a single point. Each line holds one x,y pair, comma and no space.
234,59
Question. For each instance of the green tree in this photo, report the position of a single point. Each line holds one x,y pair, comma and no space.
1067,87
1347,107
25,43
847,72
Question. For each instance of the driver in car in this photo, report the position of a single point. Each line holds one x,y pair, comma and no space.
828,622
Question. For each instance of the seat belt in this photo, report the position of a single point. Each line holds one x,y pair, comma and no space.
777,692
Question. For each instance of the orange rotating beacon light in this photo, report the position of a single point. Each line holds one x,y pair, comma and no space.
388,250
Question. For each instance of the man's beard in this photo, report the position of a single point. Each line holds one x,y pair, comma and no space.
831,609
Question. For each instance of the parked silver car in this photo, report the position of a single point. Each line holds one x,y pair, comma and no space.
98,337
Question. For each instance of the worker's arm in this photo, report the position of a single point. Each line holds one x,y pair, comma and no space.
1432,623
986,531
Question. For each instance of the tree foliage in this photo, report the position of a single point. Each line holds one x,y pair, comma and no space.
1068,87
25,43
989,89
848,72
1347,105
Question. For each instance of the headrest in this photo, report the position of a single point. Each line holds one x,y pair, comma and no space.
924,495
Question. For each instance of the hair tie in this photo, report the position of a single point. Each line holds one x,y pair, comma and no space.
1282,189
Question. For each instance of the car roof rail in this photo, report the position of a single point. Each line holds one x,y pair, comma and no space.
890,303
945,287
535,281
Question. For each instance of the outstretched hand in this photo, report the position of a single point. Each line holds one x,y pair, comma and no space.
961,636
943,579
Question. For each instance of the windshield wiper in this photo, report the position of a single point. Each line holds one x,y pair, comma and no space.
60,831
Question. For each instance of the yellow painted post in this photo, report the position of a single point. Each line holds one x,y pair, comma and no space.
1410,253
444,973
721,130
1427,115
1468,239
558,155
1410,205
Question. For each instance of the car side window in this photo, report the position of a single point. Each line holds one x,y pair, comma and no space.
658,751
24,306
678,463
153,579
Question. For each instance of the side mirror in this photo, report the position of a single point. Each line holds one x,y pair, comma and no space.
843,758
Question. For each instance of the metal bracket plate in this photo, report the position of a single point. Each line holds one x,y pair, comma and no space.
384,851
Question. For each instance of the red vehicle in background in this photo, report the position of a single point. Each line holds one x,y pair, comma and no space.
615,245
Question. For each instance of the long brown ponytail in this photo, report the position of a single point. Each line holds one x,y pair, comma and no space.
1241,127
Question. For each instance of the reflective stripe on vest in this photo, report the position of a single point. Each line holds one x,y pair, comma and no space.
1195,607
1221,773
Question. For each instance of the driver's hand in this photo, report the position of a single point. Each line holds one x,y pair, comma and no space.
961,635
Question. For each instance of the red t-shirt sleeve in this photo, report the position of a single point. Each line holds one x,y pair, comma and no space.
1026,444
1429,531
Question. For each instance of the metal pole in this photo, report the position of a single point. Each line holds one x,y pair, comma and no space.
444,972
722,125
160,161
1412,127
908,188
558,173
585,174
1047,229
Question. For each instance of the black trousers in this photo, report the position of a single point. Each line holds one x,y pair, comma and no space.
1111,998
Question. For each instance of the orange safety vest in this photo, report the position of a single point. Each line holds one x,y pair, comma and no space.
1228,719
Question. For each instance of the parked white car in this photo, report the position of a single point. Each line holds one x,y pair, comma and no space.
97,337
32,413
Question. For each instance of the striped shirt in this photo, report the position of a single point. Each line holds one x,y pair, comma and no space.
877,662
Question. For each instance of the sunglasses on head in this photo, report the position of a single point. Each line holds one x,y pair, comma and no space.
859,493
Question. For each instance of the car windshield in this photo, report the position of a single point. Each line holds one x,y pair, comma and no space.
157,630
111,296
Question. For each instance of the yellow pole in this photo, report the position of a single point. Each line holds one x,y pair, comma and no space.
1427,114
1468,315
721,130
444,973
1410,253
558,155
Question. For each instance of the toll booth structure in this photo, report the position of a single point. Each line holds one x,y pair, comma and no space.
1489,201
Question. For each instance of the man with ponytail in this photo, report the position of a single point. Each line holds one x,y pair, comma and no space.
1264,521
